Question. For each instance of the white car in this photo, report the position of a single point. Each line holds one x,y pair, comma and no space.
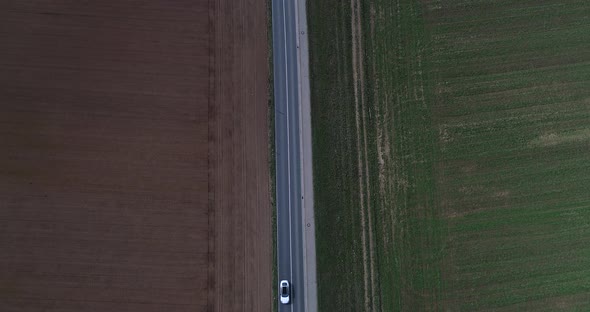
285,291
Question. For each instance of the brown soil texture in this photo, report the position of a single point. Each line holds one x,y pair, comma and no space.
133,163
239,176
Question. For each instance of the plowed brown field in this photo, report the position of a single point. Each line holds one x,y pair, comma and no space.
239,177
134,156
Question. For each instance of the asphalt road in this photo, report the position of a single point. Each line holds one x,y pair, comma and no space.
288,152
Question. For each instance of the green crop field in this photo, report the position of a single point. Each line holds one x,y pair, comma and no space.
451,154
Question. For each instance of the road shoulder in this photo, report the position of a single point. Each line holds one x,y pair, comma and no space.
309,252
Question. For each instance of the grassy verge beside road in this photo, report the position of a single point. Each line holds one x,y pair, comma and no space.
339,266
377,225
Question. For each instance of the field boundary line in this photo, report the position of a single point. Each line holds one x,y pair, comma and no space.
359,105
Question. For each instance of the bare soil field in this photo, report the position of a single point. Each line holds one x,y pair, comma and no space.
239,164
134,163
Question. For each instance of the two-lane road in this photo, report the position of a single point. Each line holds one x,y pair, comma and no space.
288,151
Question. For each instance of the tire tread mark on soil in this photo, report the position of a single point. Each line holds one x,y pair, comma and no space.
360,109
